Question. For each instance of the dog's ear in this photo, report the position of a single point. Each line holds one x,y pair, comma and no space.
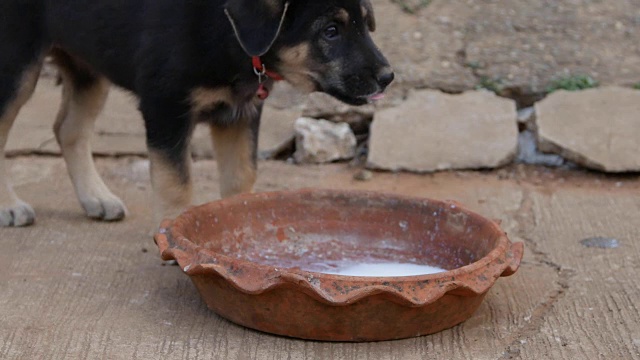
369,15
256,23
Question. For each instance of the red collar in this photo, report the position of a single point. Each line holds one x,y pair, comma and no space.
261,71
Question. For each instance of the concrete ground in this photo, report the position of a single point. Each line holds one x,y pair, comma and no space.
72,288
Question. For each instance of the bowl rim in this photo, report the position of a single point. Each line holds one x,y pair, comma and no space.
503,260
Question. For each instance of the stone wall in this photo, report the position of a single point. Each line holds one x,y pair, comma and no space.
471,91
522,51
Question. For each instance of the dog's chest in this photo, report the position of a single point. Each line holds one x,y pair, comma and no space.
224,106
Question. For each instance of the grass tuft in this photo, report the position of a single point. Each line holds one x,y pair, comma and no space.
487,83
573,83
412,6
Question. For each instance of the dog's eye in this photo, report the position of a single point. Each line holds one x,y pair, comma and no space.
331,33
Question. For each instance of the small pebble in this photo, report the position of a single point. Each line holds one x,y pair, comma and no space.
600,242
363,175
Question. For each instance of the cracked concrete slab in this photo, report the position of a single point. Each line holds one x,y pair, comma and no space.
75,288
596,312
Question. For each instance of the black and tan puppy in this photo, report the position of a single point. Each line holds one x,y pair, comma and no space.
187,61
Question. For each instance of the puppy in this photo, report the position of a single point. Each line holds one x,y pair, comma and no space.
187,61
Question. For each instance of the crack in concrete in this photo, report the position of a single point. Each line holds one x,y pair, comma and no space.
118,133
526,222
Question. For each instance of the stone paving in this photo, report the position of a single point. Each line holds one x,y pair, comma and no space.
72,288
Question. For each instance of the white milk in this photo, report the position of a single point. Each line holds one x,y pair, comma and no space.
384,269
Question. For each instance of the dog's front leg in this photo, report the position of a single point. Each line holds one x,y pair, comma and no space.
236,148
169,127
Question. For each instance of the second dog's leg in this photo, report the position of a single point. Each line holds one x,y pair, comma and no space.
84,95
236,153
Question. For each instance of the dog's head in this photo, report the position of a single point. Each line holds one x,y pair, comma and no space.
317,45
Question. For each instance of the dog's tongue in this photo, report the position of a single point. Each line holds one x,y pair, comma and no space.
378,96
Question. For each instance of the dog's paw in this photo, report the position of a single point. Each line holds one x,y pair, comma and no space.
16,215
105,209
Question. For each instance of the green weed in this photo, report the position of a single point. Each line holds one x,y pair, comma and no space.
412,6
494,85
573,83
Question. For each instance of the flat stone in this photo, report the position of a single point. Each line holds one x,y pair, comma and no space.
276,134
323,106
120,130
277,130
201,144
596,128
321,141
320,105
436,131
285,96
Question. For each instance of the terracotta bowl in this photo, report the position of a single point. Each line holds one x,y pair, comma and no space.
257,259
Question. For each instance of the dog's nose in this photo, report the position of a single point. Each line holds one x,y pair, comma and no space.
385,78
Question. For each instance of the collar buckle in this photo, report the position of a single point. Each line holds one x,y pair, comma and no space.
261,72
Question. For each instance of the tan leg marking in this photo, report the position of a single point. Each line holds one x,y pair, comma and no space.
234,148
74,129
171,193
13,211
203,98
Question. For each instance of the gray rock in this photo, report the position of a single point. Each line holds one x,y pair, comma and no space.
527,117
363,175
277,130
596,128
321,141
436,131
528,152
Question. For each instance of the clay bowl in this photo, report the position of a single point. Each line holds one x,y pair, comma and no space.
255,260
